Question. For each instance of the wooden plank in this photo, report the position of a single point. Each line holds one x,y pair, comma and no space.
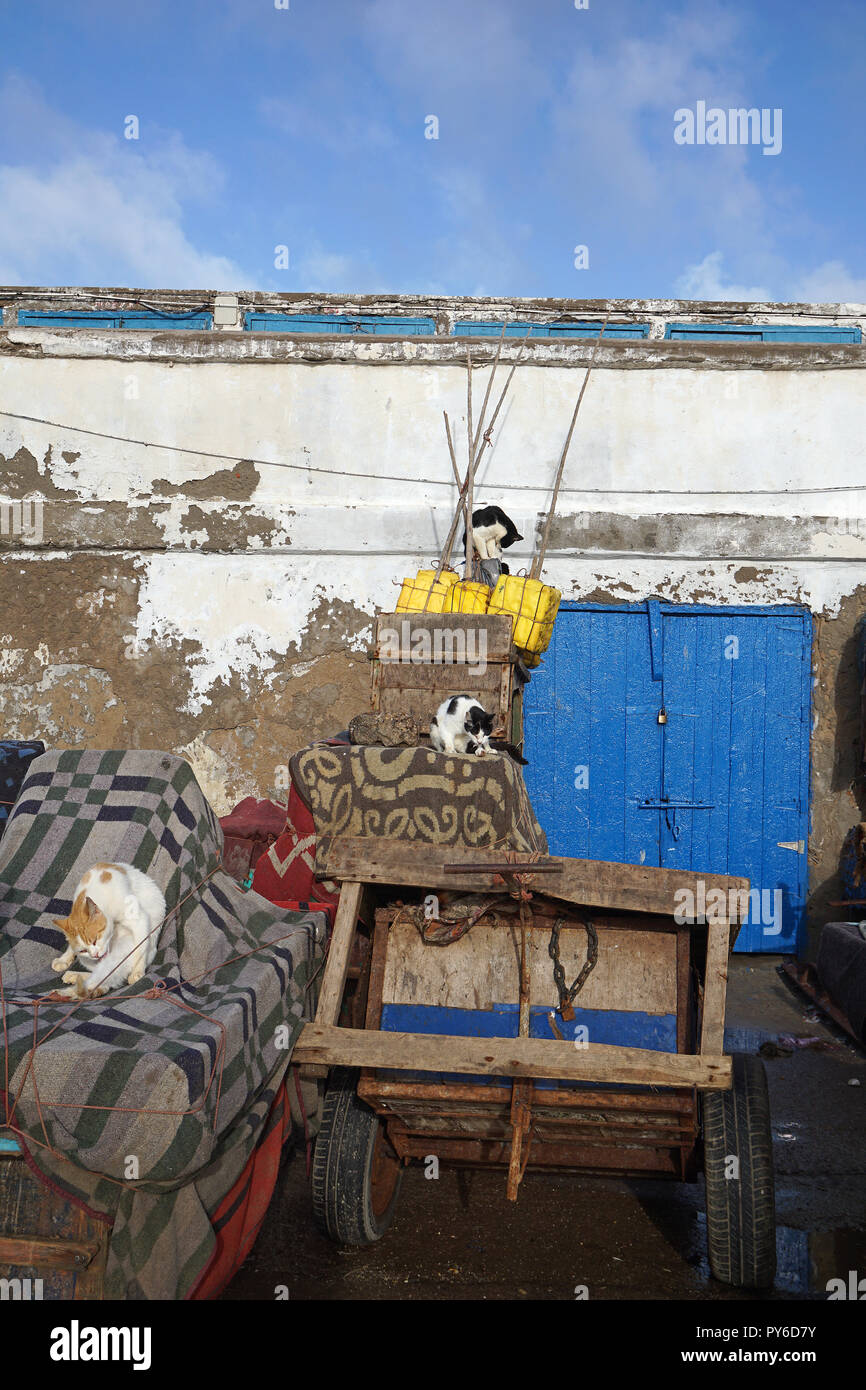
524,1057
400,630
457,678
715,989
39,1252
584,882
337,963
685,1042
46,1234
377,969
636,970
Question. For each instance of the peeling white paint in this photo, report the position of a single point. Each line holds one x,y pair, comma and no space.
240,615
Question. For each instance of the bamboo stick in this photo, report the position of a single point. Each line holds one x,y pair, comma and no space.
538,561
470,543
485,442
449,543
446,549
487,392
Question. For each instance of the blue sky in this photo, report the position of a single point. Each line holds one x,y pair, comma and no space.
305,127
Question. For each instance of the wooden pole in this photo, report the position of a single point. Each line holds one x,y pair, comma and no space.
446,549
487,433
487,392
539,559
449,543
470,543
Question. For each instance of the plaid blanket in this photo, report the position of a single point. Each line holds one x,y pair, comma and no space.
416,794
145,1108
16,755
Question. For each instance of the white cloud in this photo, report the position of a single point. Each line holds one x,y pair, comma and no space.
706,280
315,121
336,272
830,283
101,209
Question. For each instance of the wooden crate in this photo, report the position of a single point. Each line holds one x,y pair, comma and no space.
46,1238
404,682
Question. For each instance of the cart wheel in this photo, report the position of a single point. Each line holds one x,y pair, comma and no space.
356,1173
741,1212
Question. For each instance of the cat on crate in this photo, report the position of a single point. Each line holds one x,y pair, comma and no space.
462,725
492,531
114,925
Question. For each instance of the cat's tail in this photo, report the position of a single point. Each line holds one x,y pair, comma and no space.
503,746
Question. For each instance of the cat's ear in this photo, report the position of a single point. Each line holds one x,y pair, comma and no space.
63,924
90,907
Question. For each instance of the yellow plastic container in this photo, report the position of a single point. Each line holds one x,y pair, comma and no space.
533,606
467,597
413,594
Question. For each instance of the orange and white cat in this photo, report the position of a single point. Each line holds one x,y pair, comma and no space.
114,926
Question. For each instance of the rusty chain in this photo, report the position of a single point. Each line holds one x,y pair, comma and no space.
567,995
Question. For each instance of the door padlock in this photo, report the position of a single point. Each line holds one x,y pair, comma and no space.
663,715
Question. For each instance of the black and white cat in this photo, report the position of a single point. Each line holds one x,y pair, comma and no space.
492,531
462,725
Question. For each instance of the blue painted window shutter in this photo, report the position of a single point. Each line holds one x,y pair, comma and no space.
766,332
39,318
490,328
387,325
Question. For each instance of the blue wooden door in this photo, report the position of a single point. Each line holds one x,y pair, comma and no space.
679,736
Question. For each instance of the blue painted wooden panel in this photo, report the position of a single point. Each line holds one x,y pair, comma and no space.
392,325
767,332
488,328
734,752
583,710
657,1032
38,318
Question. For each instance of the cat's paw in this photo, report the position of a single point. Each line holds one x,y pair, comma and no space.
134,976
73,976
60,963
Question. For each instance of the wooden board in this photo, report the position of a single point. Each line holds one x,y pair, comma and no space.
636,970
45,1235
459,653
584,882
715,989
406,627
337,963
523,1057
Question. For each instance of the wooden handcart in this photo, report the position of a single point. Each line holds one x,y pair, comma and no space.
472,1053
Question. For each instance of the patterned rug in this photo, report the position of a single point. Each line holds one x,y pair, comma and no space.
416,794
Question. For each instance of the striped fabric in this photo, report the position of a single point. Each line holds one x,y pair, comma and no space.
151,1105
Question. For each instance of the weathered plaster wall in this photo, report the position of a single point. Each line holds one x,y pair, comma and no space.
190,590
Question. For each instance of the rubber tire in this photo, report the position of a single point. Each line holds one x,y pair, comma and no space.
741,1215
342,1166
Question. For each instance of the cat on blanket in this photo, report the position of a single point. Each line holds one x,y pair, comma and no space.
114,925
462,725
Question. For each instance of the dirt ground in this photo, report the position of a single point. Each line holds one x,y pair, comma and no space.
457,1238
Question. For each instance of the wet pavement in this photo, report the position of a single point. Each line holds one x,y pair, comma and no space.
457,1238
